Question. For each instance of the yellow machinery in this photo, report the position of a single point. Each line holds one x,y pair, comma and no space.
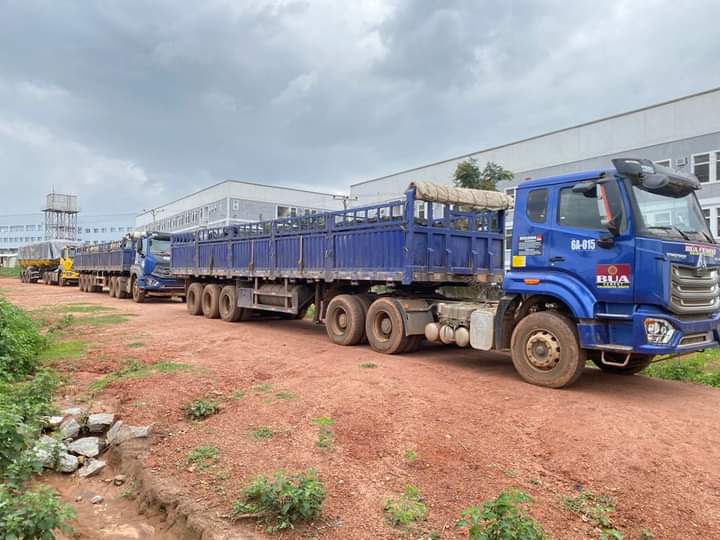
50,262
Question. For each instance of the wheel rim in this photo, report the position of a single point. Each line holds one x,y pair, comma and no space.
383,326
339,321
542,350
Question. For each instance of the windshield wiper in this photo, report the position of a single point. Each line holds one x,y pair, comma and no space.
702,234
671,228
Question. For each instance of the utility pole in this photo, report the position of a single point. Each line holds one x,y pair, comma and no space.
345,199
154,212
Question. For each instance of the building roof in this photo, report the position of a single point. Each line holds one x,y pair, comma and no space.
543,135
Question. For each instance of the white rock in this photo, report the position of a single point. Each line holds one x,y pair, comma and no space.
97,499
69,429
67,463
72,411
91,467
97,423
87,446
53,421
120,433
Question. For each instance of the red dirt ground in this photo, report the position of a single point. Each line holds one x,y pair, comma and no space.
476,428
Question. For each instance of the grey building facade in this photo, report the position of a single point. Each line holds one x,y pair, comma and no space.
683,133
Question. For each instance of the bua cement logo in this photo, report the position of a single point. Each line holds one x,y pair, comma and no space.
612,276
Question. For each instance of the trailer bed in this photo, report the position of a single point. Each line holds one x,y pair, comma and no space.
406,241
110,257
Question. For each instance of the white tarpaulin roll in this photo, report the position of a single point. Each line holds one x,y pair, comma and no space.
51,249
476,199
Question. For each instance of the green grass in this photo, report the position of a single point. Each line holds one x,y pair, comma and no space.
203,456
262,388
63,350
596,509
263,432
82,308
136,345
10,272
410,455
405,509
699,368
368,365
134,369
102,320
200,409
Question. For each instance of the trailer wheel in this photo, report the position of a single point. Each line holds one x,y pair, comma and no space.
637,362
546,351
413,344
385,328
120,288
112,286
138,295
211,301
229,310
345,320
194,298
61,281
365,302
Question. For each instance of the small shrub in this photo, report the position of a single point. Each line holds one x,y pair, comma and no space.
596,509
406,509
20,343
66,321
32,514
368,365
202,456
325,435
410,455
263,432
285,395
262,388
503,518
201,409
282,501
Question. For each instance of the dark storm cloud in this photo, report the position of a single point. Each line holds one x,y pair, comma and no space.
131,104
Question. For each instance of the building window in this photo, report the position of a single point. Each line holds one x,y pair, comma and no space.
664,163
706,215
236,205
706,166
283,211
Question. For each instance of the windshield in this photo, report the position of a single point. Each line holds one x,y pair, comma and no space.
676,217
160,247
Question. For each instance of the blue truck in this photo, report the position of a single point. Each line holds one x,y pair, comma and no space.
136,266
616,266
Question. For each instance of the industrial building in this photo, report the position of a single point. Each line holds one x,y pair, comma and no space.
232,202
683,133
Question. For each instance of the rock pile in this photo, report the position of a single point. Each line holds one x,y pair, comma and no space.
76,439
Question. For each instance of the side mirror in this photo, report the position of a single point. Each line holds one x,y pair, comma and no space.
585,187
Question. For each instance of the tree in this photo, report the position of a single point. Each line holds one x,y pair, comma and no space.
468,175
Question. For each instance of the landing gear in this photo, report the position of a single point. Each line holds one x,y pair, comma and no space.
546,351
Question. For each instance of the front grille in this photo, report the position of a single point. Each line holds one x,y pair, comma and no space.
693,290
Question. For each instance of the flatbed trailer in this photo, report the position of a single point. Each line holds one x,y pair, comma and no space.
376,272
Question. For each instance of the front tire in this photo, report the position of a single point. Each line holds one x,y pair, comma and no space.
637,362
138,295
546,351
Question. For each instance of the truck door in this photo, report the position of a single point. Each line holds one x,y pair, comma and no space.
532,231
591,238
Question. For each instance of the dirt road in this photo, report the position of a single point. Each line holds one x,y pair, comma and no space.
473,425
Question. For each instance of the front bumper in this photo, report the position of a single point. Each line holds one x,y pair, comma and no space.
156,285
628,334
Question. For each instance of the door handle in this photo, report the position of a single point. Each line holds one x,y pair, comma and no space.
556,259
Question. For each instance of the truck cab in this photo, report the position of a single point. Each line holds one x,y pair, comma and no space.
619,261
150,271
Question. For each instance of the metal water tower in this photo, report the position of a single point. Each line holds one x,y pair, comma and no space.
61,217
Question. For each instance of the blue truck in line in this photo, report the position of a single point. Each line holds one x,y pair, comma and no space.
616,266
137,266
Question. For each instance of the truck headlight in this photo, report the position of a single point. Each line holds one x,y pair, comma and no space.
658,331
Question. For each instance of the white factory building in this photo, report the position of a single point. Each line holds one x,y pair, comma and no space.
683,133
232,202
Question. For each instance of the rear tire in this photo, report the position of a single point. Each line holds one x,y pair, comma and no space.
138,295
61,281
112,286
120,288
229,310
385,328
545,350
637,362
194,298
211,301
345,320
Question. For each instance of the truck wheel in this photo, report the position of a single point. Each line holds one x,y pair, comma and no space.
61,281
637,362
112,285
120,288
545,350
229,310
138,295
413,344
345,320
211,301
365,302
385,328
194,298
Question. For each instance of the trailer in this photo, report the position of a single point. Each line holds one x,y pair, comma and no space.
136,266
49,262
616,266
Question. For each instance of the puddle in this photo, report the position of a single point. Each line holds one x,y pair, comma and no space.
116,518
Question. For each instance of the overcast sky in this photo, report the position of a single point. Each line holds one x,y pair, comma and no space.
132,103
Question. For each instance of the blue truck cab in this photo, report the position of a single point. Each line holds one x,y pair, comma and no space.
622,258
150,268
